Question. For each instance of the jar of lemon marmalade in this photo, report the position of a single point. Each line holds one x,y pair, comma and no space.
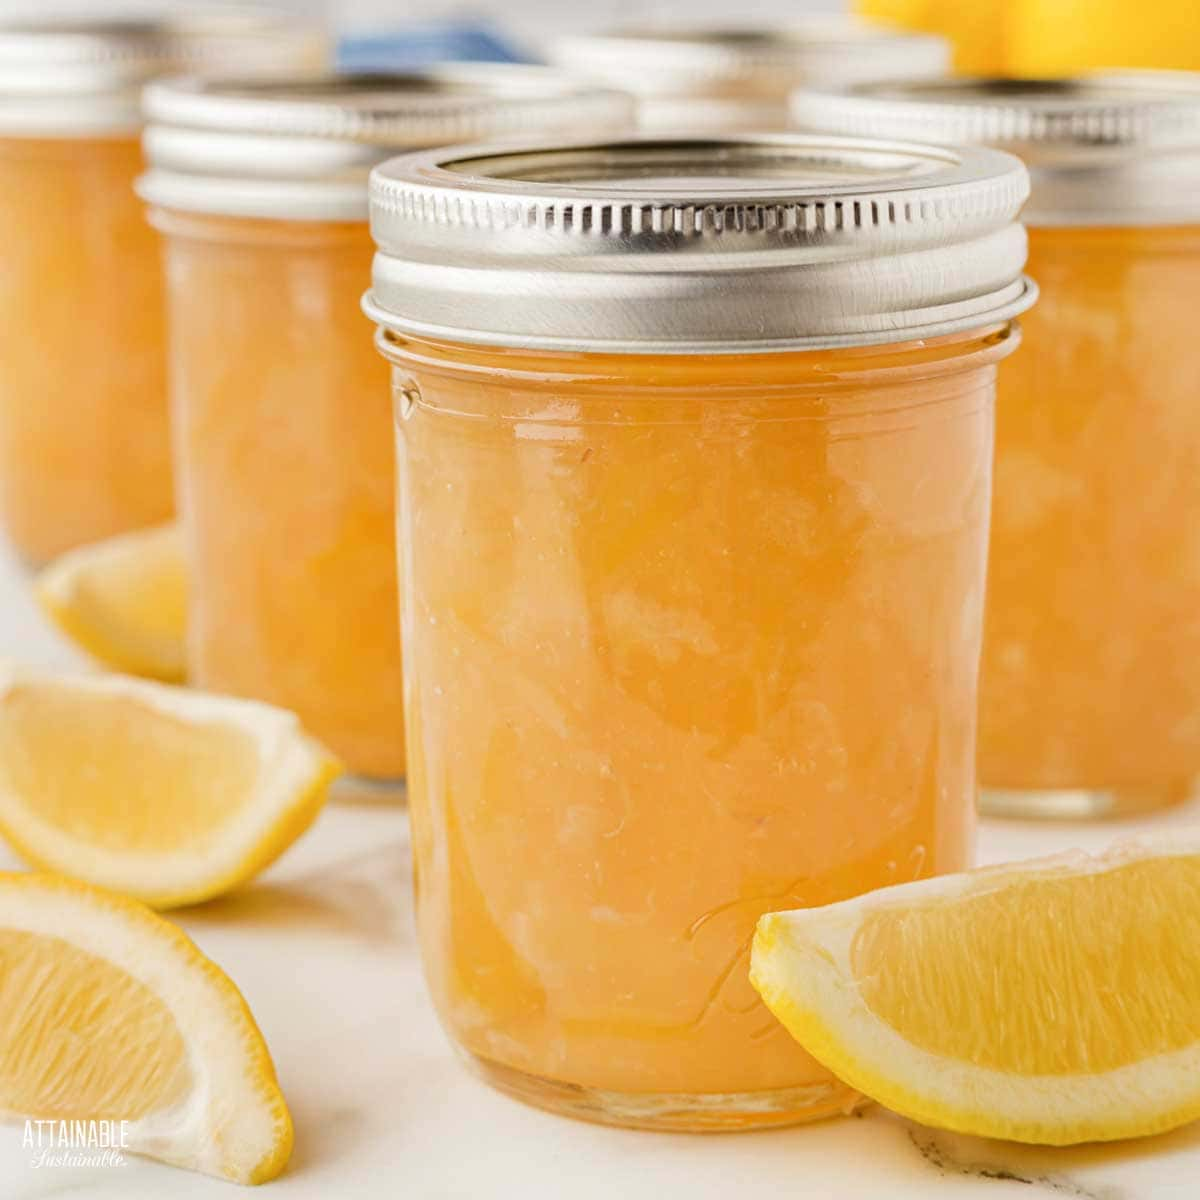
694,444
84,447
281,416
729,79
1091,689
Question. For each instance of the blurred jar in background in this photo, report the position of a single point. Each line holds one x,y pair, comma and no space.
694,477
282,422
84,445
704,80
1053,37
1091,670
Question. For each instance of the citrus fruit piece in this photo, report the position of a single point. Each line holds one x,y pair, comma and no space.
108,1012
1054,1001
124,601
168,795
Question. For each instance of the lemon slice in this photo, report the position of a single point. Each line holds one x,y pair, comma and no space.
165,794
108,1012
1053,1002
124,601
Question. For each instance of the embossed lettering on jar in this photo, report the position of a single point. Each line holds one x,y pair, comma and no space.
1091,693
693,542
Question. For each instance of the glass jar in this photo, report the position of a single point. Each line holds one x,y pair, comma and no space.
1091,699
695,448
282,422
728,79
84,445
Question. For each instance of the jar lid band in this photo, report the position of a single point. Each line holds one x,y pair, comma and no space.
73,77
301,147
1117,147
687,245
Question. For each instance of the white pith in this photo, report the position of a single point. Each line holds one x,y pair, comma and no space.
225,1125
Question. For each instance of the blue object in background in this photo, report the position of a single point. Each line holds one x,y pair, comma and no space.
421,45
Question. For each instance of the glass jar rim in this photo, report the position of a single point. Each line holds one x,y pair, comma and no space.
505,365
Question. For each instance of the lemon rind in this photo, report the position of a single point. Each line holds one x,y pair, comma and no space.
294,776
800,964
236,1123
58,590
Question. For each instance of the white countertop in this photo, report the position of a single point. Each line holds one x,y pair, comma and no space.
323,948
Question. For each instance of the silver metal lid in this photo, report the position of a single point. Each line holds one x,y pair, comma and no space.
76,77
745,75
1113,148
752,243
301,148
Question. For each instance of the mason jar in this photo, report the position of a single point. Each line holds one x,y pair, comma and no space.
84,445
701,80
694,444
1091,693
282,423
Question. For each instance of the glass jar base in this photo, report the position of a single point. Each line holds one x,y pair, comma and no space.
1083,803
670,1111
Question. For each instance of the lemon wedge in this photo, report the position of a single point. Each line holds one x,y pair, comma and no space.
108,1012
168,795
124,601
1052,1002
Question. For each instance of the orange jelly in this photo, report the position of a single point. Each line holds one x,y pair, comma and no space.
692,625
636,667
285,486
281,415
1091,694
84,449
84,443
1090,702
